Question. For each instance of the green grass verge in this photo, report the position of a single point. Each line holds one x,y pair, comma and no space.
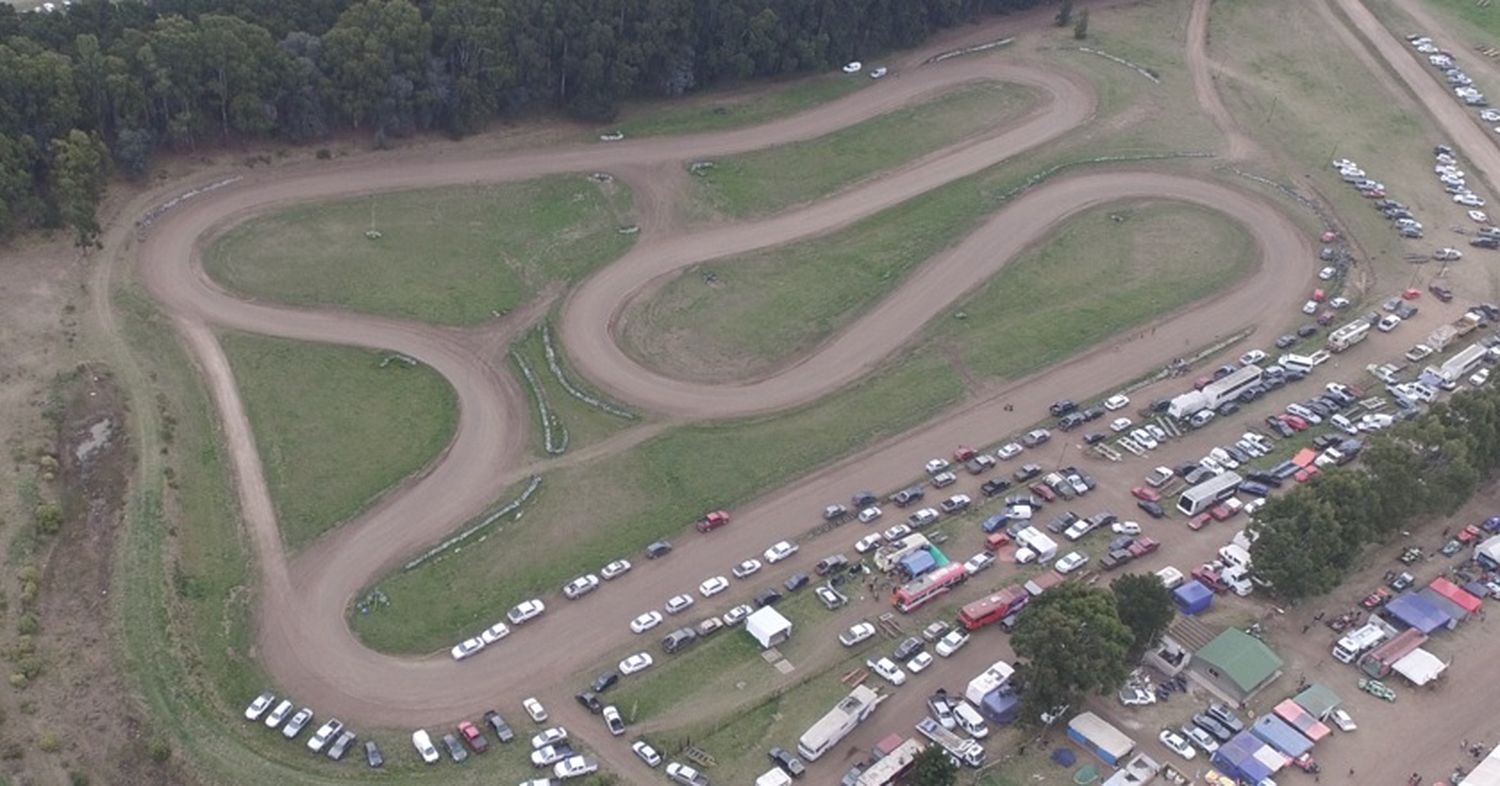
716,112
766,180
584,424
449,256
333,427
635,497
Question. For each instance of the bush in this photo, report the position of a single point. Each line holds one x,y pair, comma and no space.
49,742
28,625
48,518
159,750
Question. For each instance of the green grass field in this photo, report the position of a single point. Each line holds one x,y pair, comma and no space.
717,112
449,256
1482,19
333,427
779,177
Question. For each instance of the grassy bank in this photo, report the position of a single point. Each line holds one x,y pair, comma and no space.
583,423
779,177
736,109
450,256
336,426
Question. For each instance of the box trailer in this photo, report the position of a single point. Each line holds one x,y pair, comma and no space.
1100,738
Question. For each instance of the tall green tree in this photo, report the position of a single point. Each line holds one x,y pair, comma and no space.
375,47
243,70
1145,606
1064,14
1073,643
18,202
79,168
933,767
471,37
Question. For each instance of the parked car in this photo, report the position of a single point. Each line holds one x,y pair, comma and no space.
857,633
526,611
615,569
498,725
787,761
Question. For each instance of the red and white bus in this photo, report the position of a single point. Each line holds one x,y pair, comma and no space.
917,593
993,607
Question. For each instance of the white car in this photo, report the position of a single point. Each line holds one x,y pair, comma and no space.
679,603
746,569
576,766
981,561
1252,357
1327,273
324,735
637,662
1304,413
1120,424
1201,738
494,633
951,643
737,614
646,753
581,586
612,136
1339,302
870,514
423,743
897,532
1225,460
780,551
1447,254
1490,115
1418,352
919,662
549,736
1144,439
1177,744
1159,477
467,647
279,714
1126,528
1008,451
259,706
887,670
1469,200
853,67
1117,401
1480,377
615,569
526,611
1310,307
1343,720
713,586
1073,561
856,634
646,621
681,773
878,73
869,542
294,726
1479,217
535,710
936,465
1208,463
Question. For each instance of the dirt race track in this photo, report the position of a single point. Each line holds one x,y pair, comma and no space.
304,641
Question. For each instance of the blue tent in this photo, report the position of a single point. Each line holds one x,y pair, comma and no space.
1415,611
1000,706
1236,758
1192,597
917,563
1281,735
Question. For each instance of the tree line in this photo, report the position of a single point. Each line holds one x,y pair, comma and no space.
99,85
1429,466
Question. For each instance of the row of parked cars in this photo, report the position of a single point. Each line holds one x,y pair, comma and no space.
331,739
1400,214
1462,85
1205,730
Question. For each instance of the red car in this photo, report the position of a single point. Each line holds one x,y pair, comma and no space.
1146,493
1202,382
1142,546
1044,491
1199,521
473,737
1208,577
712,521
1326,318
1318,295
1376,599
1297,423
963,455
1220,513
1411,294
1468,534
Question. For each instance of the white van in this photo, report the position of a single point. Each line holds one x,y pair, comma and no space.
1201,418
1358,642
423,743
1171,578
970,721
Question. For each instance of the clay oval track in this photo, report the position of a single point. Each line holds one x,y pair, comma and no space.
304,642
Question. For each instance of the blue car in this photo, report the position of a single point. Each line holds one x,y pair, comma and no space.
1256,489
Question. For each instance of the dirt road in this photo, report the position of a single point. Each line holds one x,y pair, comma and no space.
1201,69
304,641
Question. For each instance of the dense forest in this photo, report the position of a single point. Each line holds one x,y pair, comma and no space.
95,87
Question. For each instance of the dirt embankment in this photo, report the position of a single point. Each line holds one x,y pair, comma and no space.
78,695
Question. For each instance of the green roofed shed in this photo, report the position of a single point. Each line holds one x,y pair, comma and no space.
1237,664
